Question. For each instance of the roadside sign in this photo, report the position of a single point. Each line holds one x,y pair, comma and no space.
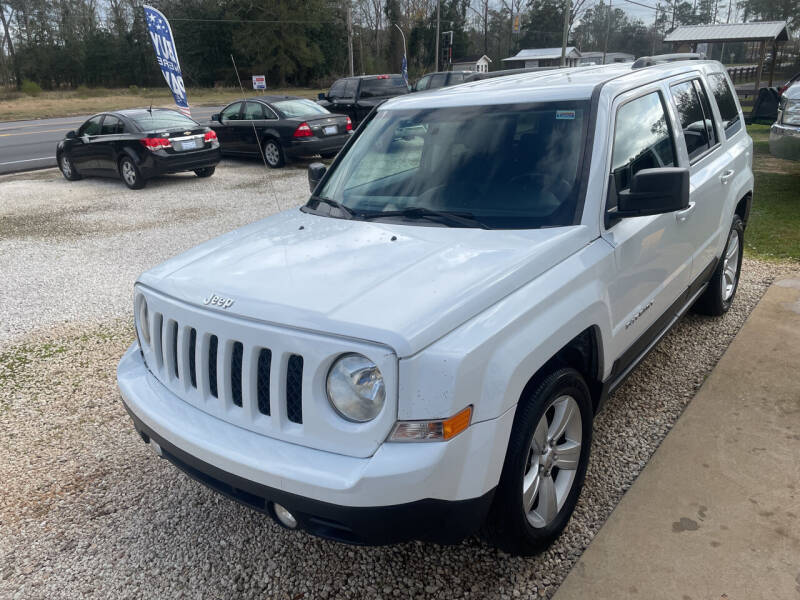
259,82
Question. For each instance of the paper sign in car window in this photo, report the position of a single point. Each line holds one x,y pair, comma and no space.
565,115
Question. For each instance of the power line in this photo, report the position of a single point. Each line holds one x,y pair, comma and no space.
290,22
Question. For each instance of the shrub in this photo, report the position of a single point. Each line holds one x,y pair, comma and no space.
82,91
31,88
133,89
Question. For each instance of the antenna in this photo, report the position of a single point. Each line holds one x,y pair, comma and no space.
255,133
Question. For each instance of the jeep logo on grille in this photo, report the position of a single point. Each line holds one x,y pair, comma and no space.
222,302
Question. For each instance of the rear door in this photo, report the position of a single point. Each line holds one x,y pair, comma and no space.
653,254
702,152
105,151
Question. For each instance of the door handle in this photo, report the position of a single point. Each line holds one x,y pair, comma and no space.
683,215
726,175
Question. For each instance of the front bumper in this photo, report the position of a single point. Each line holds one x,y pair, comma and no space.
436,492
784,141
311,146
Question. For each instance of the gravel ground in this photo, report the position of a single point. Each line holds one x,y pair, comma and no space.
87,511
51,230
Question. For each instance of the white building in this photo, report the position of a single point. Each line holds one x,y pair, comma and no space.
611,57
478,64
542,57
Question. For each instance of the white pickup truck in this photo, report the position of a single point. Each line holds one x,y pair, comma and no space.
418,352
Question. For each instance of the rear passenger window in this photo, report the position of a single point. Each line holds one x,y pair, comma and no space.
726,103
112,125
642,140
697,126
253,111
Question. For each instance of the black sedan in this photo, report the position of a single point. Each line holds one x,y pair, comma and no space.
138,144
282,127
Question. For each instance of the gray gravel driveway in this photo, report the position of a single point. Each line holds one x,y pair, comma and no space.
87,511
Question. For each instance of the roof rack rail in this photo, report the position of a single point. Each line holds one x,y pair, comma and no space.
649,61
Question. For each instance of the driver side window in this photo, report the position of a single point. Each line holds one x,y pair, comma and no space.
231,113
91,127
642,140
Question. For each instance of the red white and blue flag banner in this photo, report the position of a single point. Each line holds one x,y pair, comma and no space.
167,55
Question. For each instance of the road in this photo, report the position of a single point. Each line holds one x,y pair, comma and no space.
26,145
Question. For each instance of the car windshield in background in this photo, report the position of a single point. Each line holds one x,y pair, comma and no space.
299,108
504,166
158,120
383,86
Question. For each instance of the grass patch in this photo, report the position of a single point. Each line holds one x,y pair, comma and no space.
773,232
85,100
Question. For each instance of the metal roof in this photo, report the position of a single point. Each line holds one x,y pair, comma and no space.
544,53
768,30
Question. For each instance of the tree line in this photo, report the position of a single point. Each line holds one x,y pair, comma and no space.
67,43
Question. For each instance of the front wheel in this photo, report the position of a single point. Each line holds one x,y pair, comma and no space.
273,154
718,297
67,168
205,172
130,173
545,465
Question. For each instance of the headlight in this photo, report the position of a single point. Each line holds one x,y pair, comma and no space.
791,112
142,320
355,388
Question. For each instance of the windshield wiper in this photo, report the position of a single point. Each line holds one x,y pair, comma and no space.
333,203
462,219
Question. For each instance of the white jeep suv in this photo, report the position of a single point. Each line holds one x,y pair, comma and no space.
419,351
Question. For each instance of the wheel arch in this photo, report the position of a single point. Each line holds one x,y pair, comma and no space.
743,207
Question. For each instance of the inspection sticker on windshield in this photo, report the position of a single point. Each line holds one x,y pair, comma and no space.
568,115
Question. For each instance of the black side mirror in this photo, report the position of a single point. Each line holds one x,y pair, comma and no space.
654,192
215,117
315,173
321,96
71,134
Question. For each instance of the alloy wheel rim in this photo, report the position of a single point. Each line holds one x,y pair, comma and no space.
128,173
65,166
730,266
271,152
552,461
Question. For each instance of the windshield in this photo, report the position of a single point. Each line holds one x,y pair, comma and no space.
162,119
507,166
383,85
300,108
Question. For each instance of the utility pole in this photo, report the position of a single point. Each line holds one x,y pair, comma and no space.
655,29
350,37
438,22
608,30
567,5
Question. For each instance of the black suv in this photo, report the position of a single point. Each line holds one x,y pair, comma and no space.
356,96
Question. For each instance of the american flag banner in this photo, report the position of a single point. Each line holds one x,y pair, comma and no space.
167,55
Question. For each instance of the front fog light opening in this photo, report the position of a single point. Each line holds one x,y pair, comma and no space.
283,516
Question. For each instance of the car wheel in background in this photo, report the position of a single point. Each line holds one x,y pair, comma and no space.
273,154
130,173
546,460
67,168
718,297
205,172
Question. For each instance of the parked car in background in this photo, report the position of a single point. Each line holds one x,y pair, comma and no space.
784,135
419,351
357,96
795,78
433,81
282,127
136,145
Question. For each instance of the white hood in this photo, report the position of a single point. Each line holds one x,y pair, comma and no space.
351,278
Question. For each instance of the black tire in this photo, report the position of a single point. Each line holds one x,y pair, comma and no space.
717,299
327,155
205,171
507,525
130,173
68,169
273,153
